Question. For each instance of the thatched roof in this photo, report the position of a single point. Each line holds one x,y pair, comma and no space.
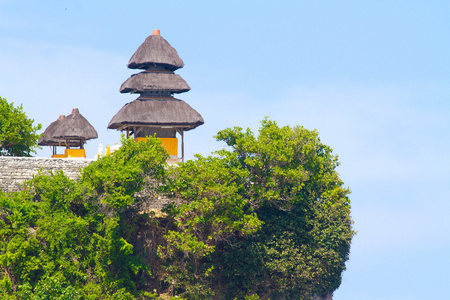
154,51
160,112
154,81
75,127
49,140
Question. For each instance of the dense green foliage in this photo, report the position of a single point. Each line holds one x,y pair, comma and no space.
266,218
18,136
78,233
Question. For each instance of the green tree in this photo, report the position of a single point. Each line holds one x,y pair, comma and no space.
77,239
270,216
18,136
267,217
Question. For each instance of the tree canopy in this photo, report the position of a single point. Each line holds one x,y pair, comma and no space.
267,217
18,136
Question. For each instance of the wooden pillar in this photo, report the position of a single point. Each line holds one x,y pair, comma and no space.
181,133
182,145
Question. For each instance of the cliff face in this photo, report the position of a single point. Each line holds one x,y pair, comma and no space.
326,297
15,170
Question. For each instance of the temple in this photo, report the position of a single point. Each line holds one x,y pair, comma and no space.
156,112
71,132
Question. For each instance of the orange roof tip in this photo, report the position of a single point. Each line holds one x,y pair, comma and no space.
156,32
75,111
61,117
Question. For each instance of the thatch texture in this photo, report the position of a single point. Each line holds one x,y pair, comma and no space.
48,140
155,51
154,81
159,112
75,127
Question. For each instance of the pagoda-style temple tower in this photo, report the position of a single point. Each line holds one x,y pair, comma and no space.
156,111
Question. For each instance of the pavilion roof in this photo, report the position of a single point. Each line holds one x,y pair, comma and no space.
48,140
154,81
75,126
152,111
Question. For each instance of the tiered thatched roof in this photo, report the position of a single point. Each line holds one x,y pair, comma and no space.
162,112
75,127
156,106
155,51
154,81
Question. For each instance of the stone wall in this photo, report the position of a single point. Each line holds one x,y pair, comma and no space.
15,170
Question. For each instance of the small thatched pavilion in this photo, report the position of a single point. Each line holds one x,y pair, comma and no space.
48,140
156,111
74,130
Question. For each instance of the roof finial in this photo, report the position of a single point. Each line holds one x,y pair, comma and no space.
156,32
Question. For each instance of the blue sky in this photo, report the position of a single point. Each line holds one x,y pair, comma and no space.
371,76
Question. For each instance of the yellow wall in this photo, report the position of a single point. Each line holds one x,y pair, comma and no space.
75,153
171,144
